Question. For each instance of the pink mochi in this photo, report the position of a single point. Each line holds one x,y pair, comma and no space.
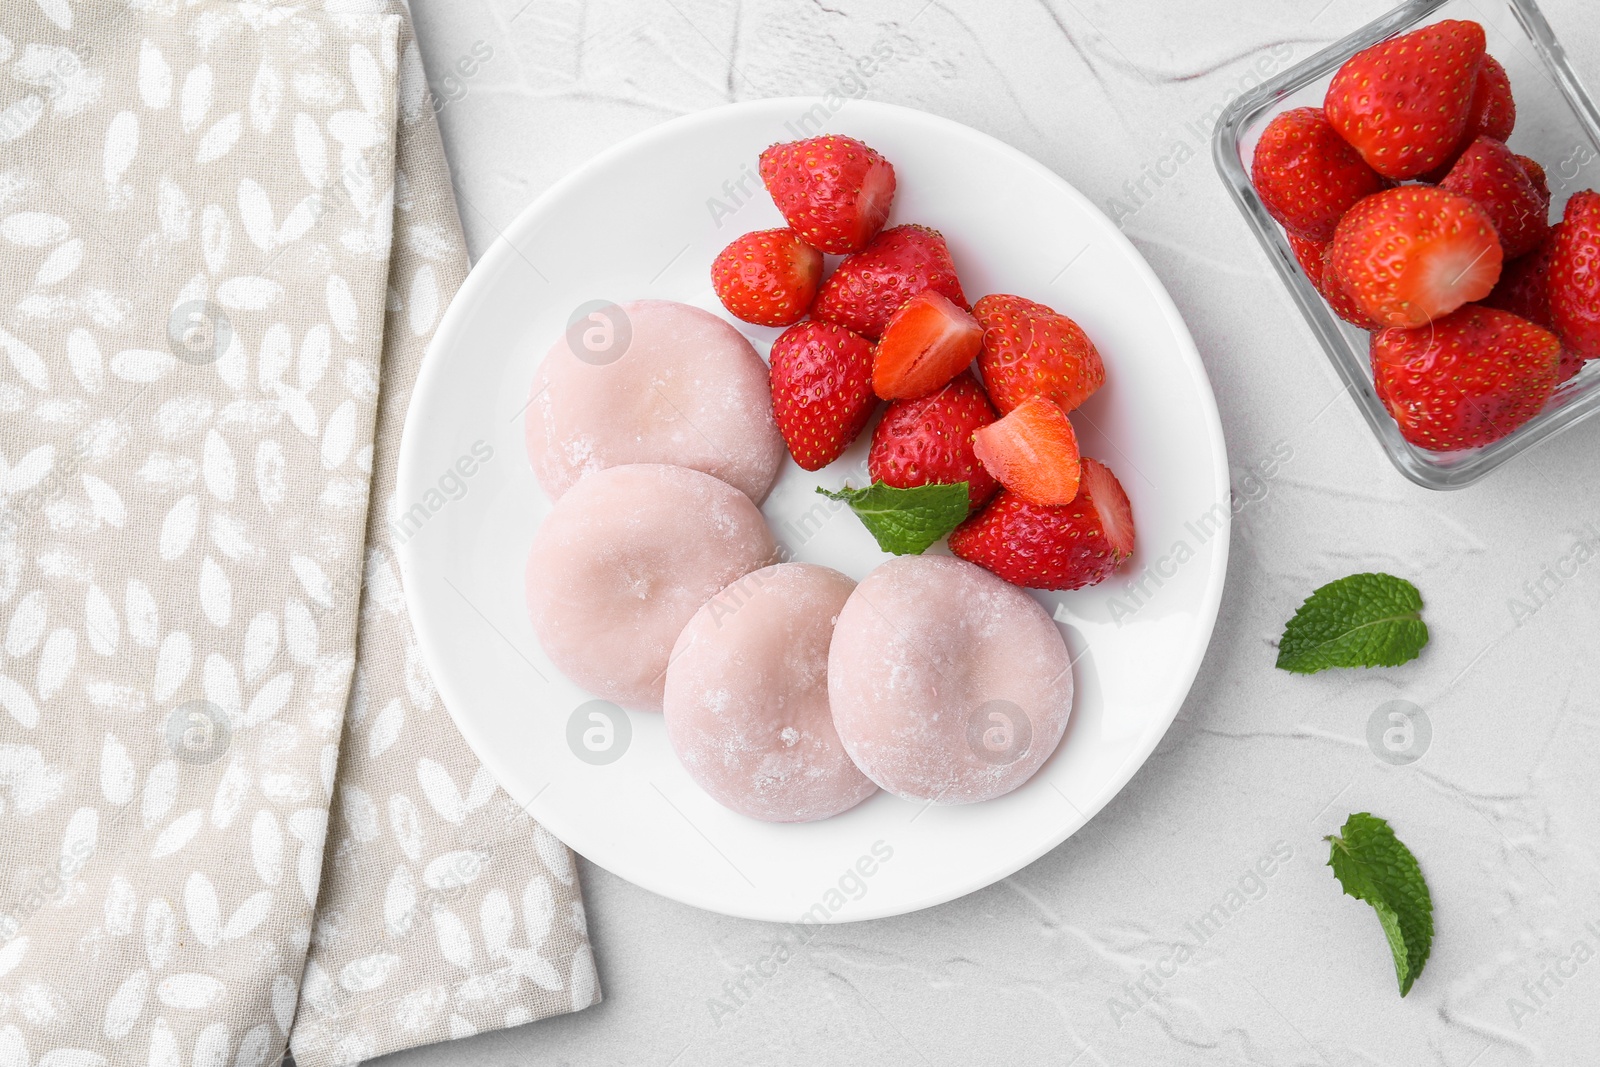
672,384
747,697
624,560
947,684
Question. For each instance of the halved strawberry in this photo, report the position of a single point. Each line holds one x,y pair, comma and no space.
869,286
1405,102
833,190
768,277
1042,547
1575,275
1492,113
1030,350
926,343
929,440
821,390
1489,175
1307,175
1033,452
1313,259
1411,254
1466,379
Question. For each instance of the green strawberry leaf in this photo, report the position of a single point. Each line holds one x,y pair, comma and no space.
906,521
1365,620
1372,865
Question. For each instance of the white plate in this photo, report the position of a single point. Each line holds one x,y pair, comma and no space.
645,219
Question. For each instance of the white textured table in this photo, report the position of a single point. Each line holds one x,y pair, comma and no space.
1119,96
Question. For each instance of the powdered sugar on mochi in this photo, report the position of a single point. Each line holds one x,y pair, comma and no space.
624,560
747,697
937,670
688,390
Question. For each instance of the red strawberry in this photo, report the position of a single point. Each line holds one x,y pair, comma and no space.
1570,366
870,285
1412,254
1030,350
1575,275
1492,113
1307,175
1405,103
1466,379
834,191
1524,288
1033,452
926,343
1489,175
768,277
1535,173
1041,547
1309,254
1313,259
821,390
930,440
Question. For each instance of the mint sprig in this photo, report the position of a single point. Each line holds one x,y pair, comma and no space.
906,521
1373,865
1365,620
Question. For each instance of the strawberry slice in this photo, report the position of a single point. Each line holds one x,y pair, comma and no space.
821,390
1411,254
1030,350
1405,103
1307,175
871,285
927,342
1466,379
925,441
1313,259
1575,275
1033,452
834,191
1042,547
768,277
1489,175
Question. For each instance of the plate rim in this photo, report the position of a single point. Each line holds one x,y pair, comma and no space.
475,288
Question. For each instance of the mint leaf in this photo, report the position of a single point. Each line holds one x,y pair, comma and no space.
906,521
1372,865
1365,620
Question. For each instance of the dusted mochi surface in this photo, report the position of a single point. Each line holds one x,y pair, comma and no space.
688,390
939,672
624,560
747,697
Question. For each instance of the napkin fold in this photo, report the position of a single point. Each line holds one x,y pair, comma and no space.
234,813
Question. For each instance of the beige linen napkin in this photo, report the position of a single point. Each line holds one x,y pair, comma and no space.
229,819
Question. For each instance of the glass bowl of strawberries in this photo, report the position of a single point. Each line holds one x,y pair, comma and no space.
1426,188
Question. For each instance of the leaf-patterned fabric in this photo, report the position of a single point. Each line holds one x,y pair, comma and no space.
234,815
